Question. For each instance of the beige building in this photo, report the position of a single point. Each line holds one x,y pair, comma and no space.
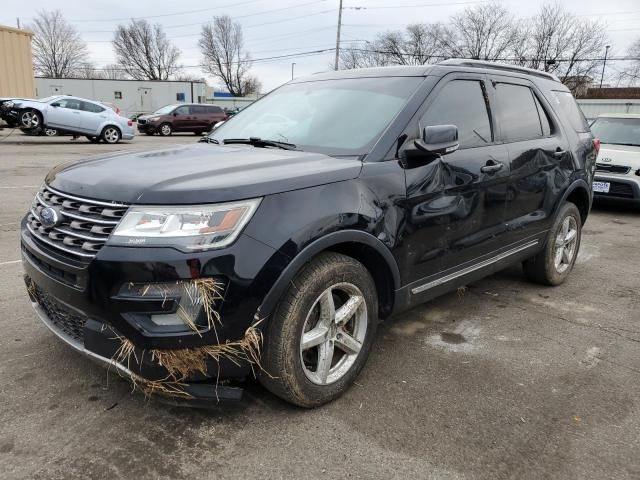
16,63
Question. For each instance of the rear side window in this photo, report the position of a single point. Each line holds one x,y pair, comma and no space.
197,109
517,112
462,103
568,109
214,109
92,107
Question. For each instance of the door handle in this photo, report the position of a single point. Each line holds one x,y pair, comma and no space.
559,153
492,166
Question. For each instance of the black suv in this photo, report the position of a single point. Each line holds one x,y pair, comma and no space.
335,201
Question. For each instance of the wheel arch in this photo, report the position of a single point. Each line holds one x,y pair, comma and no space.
362,246
578,194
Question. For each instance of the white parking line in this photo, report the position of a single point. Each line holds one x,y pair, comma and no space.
10,263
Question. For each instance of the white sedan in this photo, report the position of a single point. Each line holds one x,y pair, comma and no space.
73,115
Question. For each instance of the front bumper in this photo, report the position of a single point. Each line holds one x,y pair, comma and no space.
146,128
87,295
625,188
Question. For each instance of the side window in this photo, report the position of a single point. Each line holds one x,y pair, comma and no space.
517,113
567,107
92,107
182,110
544,118
214,109
462,103
117,95
70,103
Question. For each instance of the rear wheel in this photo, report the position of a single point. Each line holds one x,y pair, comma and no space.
321,333
165,129
111,134
553,265
50,132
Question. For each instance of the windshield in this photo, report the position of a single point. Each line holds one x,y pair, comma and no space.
49,99
621,131
166,109
336,117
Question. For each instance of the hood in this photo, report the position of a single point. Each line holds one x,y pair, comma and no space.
198,173
624,155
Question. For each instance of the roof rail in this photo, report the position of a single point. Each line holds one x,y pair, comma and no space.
465,62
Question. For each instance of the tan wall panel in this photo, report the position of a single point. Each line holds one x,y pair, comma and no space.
16,63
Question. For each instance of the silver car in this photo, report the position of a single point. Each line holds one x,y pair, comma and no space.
73,115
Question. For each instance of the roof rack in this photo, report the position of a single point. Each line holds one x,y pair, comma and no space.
465,62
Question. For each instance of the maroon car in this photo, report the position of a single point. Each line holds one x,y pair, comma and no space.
184,117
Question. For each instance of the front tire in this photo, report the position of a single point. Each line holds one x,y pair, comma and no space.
553,265
31,119
165,129
111,134
321,332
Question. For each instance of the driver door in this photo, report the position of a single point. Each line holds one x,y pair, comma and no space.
456,203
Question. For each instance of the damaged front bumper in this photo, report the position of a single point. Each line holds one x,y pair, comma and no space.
93,307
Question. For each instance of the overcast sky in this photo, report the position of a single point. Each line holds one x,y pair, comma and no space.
283,27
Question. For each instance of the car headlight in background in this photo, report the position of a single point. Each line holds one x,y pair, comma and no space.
153,119
190,228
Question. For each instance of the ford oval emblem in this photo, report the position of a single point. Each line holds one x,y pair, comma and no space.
49,217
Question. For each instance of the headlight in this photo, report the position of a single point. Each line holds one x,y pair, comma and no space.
193,227
9,104
153,119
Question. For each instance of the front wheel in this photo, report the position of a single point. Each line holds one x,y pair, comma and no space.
111,135
553,265
321,333
30,119
165,129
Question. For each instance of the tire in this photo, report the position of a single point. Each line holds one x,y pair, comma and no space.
111,134
165,129
553,265
31,119
294,373
50,132
93,139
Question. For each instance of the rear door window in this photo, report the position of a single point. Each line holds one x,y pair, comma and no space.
568,109
184,110
517,113
214,109
91,107
462,103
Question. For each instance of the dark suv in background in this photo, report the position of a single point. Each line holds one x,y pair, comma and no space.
337,200
196,118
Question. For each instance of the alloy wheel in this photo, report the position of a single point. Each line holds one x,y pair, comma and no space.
111,135
566,243
165,129
30,119
333,333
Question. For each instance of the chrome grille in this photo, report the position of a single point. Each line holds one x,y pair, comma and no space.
85,225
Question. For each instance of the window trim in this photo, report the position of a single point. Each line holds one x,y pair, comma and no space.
442,83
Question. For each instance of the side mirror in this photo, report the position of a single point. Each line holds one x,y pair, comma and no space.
438,140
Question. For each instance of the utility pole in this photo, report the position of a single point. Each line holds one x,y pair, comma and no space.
338,36
606,50
292,65
18,22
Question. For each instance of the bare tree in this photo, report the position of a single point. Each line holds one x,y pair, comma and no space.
483,32
222,46
418,44
87,70
144,52
630,75
58,49
113,71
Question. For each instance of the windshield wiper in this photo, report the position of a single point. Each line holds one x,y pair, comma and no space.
259,142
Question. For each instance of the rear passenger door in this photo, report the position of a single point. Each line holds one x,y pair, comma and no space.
92,117
538,154
456,203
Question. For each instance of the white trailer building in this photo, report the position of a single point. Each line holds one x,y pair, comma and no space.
593,107
131,96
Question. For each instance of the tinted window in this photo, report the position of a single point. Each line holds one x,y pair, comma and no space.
619,131
92,107
462,103
198,109
517,112
182,110
544,118
567,107
214,109
70,103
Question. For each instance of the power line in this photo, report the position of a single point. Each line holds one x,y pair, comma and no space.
423,5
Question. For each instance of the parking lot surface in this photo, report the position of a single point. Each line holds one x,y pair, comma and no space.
503,379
